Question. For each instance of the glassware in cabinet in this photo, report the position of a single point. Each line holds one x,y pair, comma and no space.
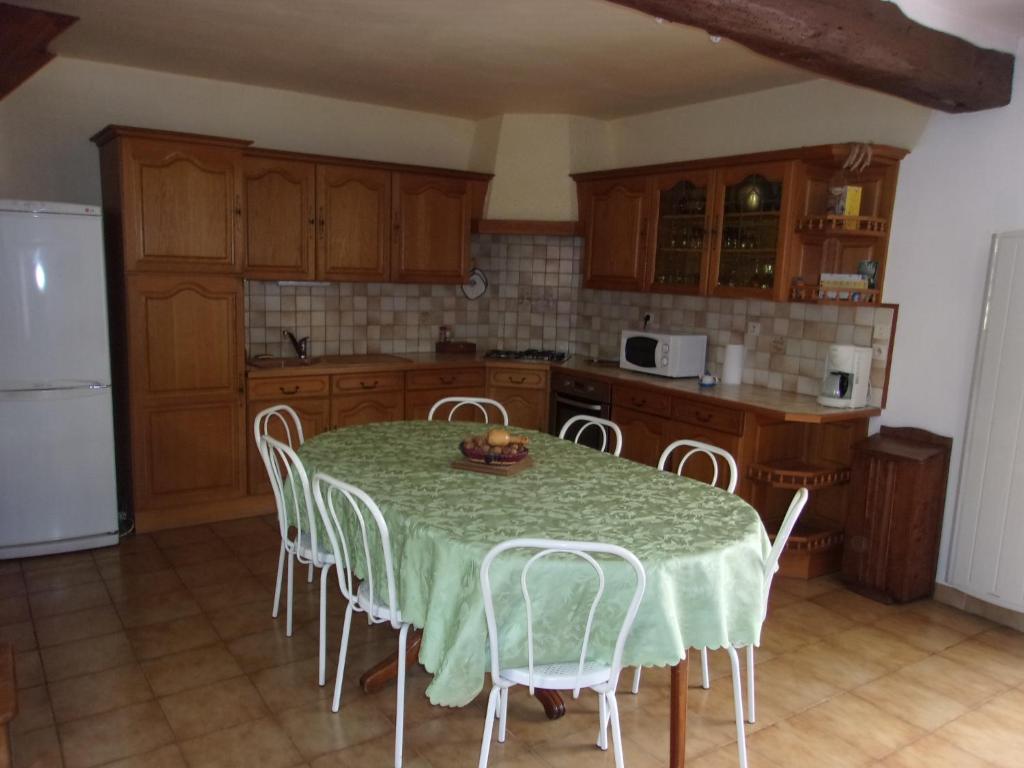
682,238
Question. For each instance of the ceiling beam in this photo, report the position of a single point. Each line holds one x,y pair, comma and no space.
24,35
869,43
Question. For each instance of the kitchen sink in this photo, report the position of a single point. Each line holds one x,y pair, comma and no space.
294,362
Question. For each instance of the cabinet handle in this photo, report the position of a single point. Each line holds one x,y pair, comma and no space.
238,205
447,379
289,390
703,418
364,385
520,380
323,222
639,403
241,383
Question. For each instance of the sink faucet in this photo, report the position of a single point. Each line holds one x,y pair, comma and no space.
301,346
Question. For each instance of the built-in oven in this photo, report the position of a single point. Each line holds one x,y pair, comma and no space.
575,395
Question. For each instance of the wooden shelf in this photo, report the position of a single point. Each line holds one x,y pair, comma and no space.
814,548
857,226
815,294
682,217
794,473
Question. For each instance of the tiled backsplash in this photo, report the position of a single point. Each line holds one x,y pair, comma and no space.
534,299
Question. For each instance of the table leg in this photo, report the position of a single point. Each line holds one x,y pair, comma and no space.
677,714
554,706
384,672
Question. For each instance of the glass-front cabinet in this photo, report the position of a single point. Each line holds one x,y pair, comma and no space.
682,240
750,238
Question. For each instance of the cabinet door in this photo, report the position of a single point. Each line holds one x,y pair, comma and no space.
349,410
279,222
419,402
682,232
699,466
615,218
314,415
752,221
182,206
353,220
431,239
527,408
186,337
642,434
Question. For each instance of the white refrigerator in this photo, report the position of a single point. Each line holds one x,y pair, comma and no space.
58,487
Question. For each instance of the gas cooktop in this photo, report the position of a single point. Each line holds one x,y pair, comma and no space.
537,355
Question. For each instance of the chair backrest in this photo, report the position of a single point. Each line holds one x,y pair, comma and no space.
357,529
289,481
481,403
604,426
279,415
545,548
706,449
771,565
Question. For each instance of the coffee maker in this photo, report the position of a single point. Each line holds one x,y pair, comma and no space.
845,382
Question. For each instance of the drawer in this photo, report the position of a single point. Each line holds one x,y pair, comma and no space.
517,377
708,415
642,399
454,378
288,386
581,387
380,381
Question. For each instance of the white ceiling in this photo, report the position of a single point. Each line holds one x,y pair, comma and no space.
471,58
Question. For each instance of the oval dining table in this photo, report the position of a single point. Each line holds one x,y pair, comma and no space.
702,548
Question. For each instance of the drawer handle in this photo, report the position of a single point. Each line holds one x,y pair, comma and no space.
703,418
289,390
447,379
639,403
364,385
520,380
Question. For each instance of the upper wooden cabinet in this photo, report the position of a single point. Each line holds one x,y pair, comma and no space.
615,216
756,226
181,205
353,223
431,229
279,218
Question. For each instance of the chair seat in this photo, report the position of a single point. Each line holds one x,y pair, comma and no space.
304,549
374,608
560,676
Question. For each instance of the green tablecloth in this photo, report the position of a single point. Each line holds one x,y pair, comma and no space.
702,548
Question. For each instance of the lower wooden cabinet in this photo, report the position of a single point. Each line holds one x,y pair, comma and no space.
699,466
314,415
643,434
523,390
366,408
419,402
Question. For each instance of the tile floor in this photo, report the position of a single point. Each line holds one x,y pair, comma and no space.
162,652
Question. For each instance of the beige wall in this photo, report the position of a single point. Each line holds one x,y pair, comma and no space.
46,123
814,112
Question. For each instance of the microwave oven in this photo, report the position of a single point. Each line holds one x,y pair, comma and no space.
664,354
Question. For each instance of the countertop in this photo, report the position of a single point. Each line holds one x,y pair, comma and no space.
785,406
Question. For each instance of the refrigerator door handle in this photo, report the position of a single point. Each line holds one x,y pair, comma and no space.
88,385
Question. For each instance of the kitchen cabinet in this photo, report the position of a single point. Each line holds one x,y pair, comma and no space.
524,393
683,232
186,372
431,228
314,415
365,398
699,466
424,387
354,223
751,226
615,217
180,203
279,224
643,434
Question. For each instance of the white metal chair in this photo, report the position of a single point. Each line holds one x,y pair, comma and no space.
603,426
563,674
713,453
345,509
480,403
288,480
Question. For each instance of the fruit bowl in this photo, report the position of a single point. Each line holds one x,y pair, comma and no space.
496,447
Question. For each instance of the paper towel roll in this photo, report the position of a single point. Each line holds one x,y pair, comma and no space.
732,370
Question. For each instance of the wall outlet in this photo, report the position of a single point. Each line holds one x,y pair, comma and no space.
754,328
878,351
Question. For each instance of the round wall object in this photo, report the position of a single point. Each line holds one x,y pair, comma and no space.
476,286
